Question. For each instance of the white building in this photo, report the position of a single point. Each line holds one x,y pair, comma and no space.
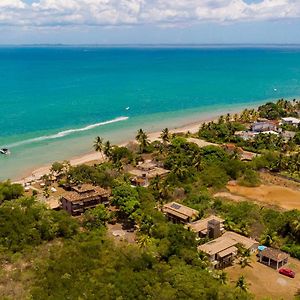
291,121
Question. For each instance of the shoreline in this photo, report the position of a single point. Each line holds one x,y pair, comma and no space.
36,173
192,126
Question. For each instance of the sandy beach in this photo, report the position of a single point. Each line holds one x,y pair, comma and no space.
36,174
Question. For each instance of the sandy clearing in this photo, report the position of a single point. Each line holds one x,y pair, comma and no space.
271,194
265,282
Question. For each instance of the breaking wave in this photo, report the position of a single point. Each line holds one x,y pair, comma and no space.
66,132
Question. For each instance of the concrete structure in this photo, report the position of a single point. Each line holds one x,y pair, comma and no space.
248,156
179,213
246,135
264,126
291,121
274,258
287,135
146,171
248,243
222,250
200,227
84,197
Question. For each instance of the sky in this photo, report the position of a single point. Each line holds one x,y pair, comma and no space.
149,21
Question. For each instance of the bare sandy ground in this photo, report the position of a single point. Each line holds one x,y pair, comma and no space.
265,282
283,197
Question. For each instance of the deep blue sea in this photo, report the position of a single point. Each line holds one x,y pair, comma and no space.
55,100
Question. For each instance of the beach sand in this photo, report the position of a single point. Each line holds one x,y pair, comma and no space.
36,174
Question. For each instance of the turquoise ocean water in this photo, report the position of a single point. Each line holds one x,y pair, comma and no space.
55,100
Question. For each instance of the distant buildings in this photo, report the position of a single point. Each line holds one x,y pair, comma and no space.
246,135
264,126
287,135
179,213
291,121
84,197
144,172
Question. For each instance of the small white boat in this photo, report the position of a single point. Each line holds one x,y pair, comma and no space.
4,151
275,90
127,108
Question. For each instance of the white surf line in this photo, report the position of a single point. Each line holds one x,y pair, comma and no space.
65,133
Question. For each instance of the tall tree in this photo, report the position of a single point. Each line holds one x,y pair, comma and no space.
142,139
241,283
107,149
98,145
165,136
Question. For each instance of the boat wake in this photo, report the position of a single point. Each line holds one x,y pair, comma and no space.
66,132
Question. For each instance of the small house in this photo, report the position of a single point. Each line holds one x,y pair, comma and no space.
273,258
179,213
291,121
264,126
144,172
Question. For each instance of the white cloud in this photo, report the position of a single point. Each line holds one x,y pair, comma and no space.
129,12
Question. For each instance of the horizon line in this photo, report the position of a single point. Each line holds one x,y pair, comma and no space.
152,45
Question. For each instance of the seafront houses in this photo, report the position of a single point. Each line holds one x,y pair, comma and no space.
291,121
84,197
178,213
264,126
144,172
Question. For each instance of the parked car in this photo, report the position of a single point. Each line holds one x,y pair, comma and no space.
287,272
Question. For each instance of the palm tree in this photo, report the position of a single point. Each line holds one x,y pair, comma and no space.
241,283
235,117
221,119
180,170
165,136
268,238
142,139
144,241
107,149
227,118
98,145
139,135
223,277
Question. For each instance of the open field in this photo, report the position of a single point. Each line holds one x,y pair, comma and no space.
265,282
283,197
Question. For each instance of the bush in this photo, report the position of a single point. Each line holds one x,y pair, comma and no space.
250,178
9,191
214,176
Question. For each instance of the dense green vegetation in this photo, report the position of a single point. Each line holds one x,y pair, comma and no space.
26,223
9,191
47,254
